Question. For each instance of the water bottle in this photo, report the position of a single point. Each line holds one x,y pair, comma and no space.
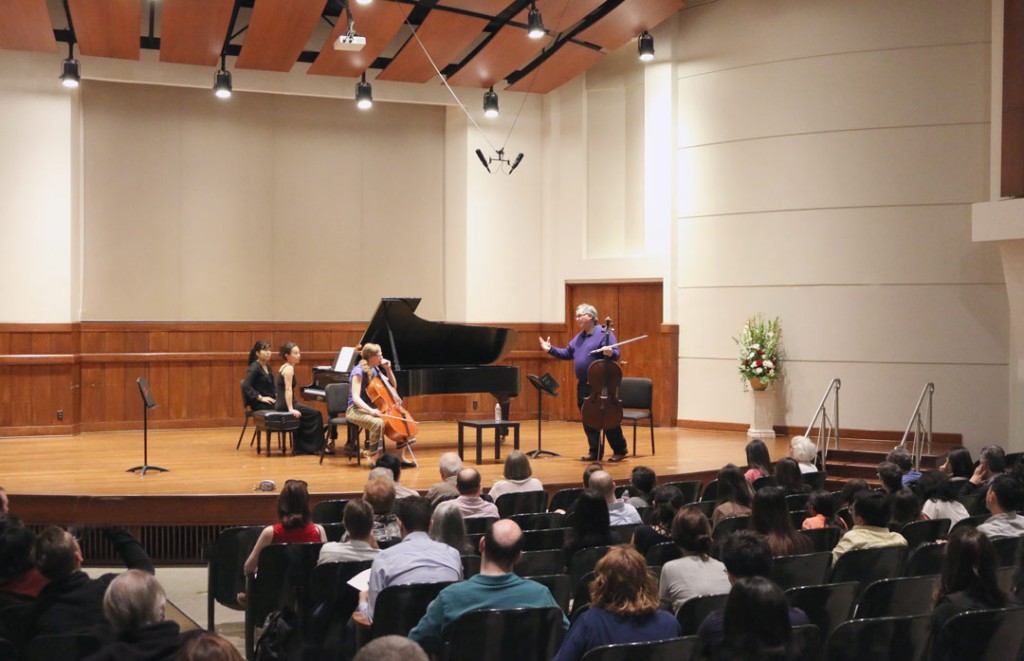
497,412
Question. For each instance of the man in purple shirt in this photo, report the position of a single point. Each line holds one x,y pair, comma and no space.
591,337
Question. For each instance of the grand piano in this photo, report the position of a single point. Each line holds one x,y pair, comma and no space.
431,357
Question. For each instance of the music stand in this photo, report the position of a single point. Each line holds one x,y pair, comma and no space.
147,403
545,385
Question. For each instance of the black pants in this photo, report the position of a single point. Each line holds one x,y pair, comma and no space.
614,435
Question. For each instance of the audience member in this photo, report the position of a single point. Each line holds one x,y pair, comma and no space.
891,477
959,465
518,477
293,523
938,494
134,605
360,543
642,482
620,513
72,601
789,477
624,607
666,501
901,457
735,495
469,501
991,464
870,519
850,491
5,503
591,468
380,494
202,645
1005,496
494,587
447,527
757,623
449,465
759,463
391,648
771,518
968,579
696,573
821,510
20,580
589,525
804,451
905,508
394,464
417,559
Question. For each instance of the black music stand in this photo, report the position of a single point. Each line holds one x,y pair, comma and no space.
545,385
147,403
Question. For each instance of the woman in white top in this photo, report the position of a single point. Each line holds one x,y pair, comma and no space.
696,573
804,451
937,492
517,477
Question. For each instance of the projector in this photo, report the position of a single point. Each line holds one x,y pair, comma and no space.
350,41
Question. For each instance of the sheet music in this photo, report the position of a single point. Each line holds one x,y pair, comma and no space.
361,581
344,361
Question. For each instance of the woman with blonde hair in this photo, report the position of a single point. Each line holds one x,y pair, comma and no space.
361,410
624,607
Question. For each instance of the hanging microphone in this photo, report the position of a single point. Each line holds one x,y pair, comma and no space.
483,159
516,163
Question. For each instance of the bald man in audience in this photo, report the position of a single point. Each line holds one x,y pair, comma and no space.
469,501
620,513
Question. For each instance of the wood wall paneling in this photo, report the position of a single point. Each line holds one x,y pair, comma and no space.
107,29
1012,166
26,26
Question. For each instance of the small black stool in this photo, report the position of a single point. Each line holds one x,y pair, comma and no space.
479,425
282,422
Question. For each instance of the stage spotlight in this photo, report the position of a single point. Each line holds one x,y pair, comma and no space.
645,46
535,23
222,84
490,103
69,74
364,94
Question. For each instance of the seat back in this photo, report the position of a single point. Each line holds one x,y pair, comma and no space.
470,565
797,501
974,503
707,507
806,643
764,481
903,638
673,649
479,524
558,585
636,393
690,489
925,560
972,521
693,611
564,499
225,577
798,517
989,635
584,561
336,398
506,635
539,563
824,539
624,533
399,608
897,597
1006,549
728,526
659,554
919,532
331,599
522,502
539,520
868,565
815,480
544,540
62,647
246,404
827,606
710,490
581,594
329,511
792,571
281,579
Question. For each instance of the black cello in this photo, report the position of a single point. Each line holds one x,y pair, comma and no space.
602,408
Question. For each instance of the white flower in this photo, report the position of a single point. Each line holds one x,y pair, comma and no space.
769,364
755,347
758,370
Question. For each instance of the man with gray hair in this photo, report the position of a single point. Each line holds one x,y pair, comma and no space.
391,648
450,465
620,513
134,605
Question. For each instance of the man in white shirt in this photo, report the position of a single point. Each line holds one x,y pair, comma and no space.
620,513
360,545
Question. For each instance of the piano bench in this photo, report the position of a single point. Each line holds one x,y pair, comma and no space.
500,429
281,422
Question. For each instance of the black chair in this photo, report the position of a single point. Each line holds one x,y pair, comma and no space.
710,490
544,540
903,638
659,554
791,571
974,503
798,517
470,565
846,515
707,507
62,647
564,499
637,396
897,597
540,563
689,488
827,606
728,526
869,565
989,635
673,649
693,611
926,560
522,502
539,520
399,608
506,635
581,595
764,481
583,562
474,541
248,415
336,398
624,533
7,651
281,579
797,501
621,490
329,511
479,524
558,585
970,522
815,480
824,539
1006,549
332,600
225,577
334,531
919,532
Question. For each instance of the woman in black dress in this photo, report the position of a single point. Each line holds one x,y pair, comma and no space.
258,385
310,433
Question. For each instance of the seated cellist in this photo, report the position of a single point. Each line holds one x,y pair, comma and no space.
361,411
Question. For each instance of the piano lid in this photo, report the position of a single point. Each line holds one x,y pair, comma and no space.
421,343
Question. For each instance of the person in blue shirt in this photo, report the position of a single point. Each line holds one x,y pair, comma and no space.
591,337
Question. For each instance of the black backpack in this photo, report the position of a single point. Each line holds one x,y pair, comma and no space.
276,637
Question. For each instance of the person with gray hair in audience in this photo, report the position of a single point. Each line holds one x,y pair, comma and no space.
991,464
804,451
449,466
134,604
620,513
391,648
448,527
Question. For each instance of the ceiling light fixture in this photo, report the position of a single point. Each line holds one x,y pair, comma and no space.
222,80
490,103
70,74
364,94
535,23
645,46
363,2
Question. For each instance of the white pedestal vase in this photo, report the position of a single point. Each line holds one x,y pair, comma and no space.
763,424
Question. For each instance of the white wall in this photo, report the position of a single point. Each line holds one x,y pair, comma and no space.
828,155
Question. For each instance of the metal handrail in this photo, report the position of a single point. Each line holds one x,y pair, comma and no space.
829,430
922,429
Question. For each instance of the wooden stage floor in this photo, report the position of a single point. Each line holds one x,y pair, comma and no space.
83,480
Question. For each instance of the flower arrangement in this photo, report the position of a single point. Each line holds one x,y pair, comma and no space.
760,351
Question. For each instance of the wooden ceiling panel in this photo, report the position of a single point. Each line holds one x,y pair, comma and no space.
444,35
628,20
509,50
379,22
559,15
107,28
278,32
193,31
568,62
25,25
489,7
